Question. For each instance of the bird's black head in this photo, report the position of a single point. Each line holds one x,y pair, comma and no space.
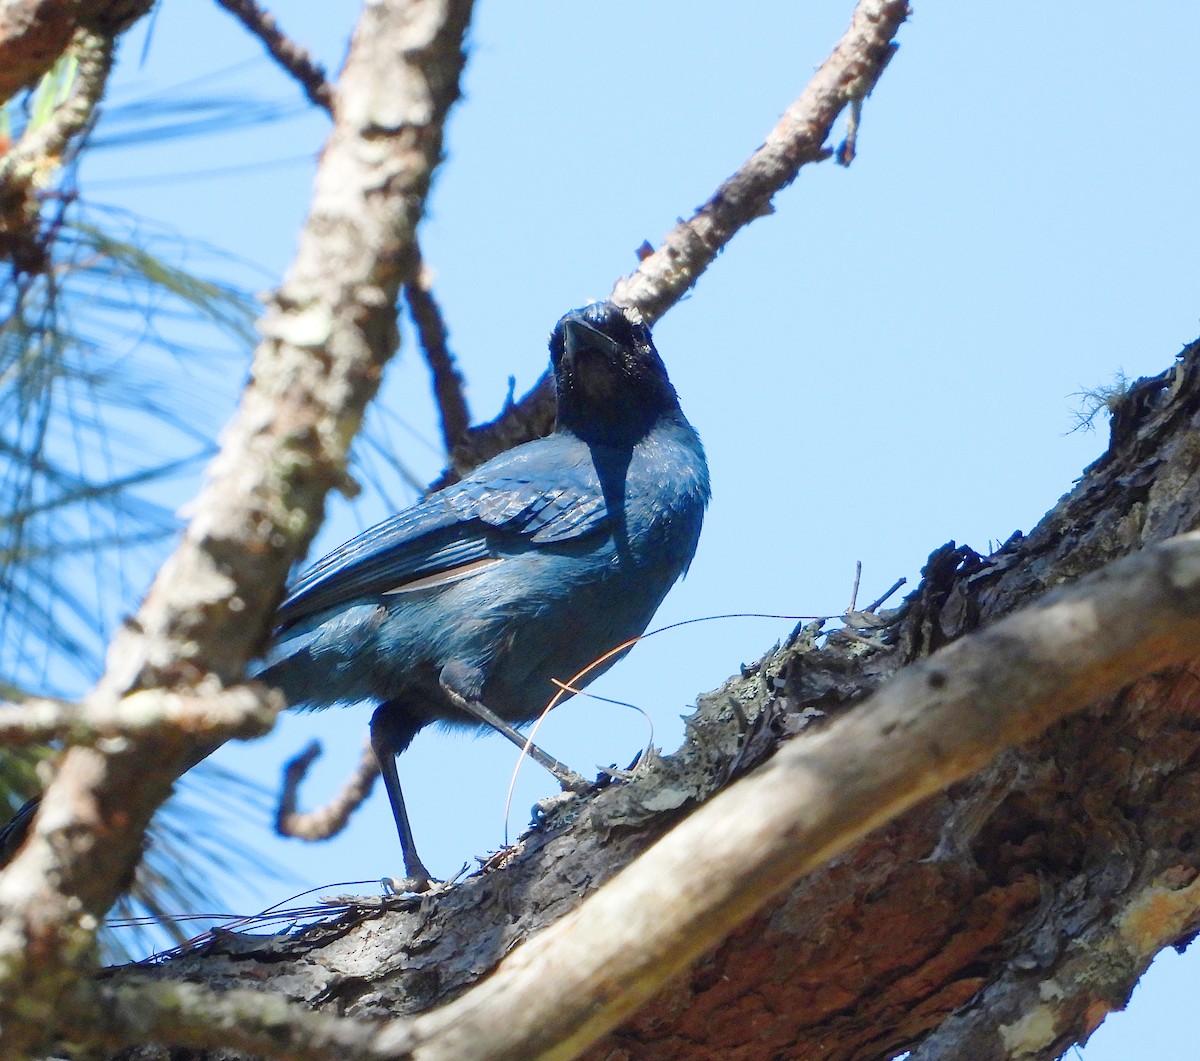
612,386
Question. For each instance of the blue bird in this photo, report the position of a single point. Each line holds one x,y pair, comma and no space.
463,608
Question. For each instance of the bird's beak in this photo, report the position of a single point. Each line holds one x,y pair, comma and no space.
580,336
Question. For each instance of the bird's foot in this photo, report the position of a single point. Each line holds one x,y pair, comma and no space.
413,884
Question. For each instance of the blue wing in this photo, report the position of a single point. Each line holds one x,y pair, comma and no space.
543,493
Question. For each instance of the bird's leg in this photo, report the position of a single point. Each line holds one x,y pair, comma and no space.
387,742
568,778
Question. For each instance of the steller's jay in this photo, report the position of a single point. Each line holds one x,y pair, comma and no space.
464,607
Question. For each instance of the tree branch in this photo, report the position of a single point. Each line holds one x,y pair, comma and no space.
447,380
296,60
846,77
937,722
330,819
39,147
26,165
1068,861
666,275
242,712
1017,1016
255,1022
327,333
34,33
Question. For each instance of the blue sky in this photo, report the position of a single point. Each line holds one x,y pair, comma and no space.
889,361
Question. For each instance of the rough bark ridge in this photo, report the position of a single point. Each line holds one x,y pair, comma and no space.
1001,919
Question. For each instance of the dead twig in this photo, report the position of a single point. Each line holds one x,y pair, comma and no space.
294,58
331,819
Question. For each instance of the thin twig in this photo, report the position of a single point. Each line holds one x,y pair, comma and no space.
895,586
427,317
854,590
331,819
848,148
294,58
28,164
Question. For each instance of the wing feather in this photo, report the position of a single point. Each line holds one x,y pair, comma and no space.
505,507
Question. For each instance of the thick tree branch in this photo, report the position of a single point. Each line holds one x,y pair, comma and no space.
1066,862
937,722
296,60
327,333
666,275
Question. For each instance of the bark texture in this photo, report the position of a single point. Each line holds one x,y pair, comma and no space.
1003,918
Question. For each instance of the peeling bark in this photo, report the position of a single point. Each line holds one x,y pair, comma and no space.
1002,918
